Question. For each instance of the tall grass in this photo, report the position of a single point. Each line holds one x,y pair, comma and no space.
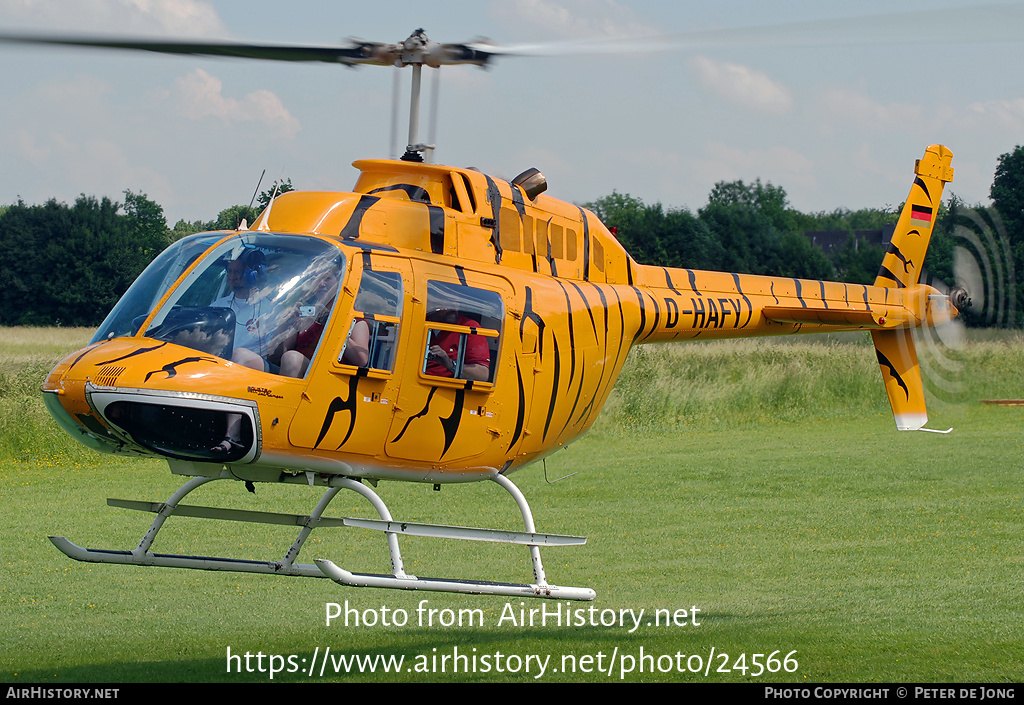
662,387
692,385
732,382
26,356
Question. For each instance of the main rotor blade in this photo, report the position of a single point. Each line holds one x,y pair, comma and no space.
976,24
963,25
356,53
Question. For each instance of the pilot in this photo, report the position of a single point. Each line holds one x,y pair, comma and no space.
246,275
444,349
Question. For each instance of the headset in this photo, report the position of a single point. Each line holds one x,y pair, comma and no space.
254,268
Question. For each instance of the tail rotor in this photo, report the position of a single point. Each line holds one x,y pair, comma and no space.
983,292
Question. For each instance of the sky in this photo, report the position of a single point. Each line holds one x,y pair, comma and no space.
830,101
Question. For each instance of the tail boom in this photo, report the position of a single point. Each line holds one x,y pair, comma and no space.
684,304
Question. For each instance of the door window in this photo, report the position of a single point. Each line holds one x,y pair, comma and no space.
373,336
463,332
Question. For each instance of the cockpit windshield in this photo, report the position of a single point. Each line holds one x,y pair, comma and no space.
128,315
250,299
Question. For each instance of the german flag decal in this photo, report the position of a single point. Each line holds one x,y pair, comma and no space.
921,216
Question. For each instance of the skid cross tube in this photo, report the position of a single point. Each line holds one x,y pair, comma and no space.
143,556
540,588
398,579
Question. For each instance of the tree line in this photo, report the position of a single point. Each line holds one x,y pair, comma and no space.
64,265
68,265
751,228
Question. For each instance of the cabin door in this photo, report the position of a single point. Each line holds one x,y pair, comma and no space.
353,386
453,403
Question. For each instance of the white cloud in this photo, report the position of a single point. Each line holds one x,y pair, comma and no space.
1005,114
86,93
70,164
856,107
573,19
30,148
780,165
200,94
742,86
162,17
44,139
864,160
106,165
179,16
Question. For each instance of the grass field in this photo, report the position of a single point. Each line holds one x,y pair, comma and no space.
762,482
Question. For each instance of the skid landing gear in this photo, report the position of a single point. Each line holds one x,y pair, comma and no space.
398,579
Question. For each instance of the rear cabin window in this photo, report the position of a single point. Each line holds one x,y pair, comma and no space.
463,332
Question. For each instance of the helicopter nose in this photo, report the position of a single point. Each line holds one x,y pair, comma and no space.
111,405
82,427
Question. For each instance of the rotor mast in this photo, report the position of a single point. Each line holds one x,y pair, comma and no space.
415,151
417,50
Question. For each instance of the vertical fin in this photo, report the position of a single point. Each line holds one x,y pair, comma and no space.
901,266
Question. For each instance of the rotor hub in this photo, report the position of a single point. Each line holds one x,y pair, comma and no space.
960,298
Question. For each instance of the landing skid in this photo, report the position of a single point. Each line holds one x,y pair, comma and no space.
398,579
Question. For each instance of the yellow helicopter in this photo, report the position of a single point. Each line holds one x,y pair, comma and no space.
433,325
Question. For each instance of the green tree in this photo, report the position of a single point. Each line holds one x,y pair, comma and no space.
184,228
69,265
740,217
629,216
858,262
231,218
768,200
651,235
1007,194
279,186
851,221
799,258
760,233
688,242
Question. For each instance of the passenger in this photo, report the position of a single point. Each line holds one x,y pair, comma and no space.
301,344
294,363
444,349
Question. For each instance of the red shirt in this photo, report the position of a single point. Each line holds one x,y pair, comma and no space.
306,341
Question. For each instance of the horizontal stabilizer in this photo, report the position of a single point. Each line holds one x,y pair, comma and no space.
826,316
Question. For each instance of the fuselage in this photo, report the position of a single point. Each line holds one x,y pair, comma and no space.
533,300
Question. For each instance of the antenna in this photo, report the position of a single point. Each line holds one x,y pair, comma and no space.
433,113
265,224
253,199
393,145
